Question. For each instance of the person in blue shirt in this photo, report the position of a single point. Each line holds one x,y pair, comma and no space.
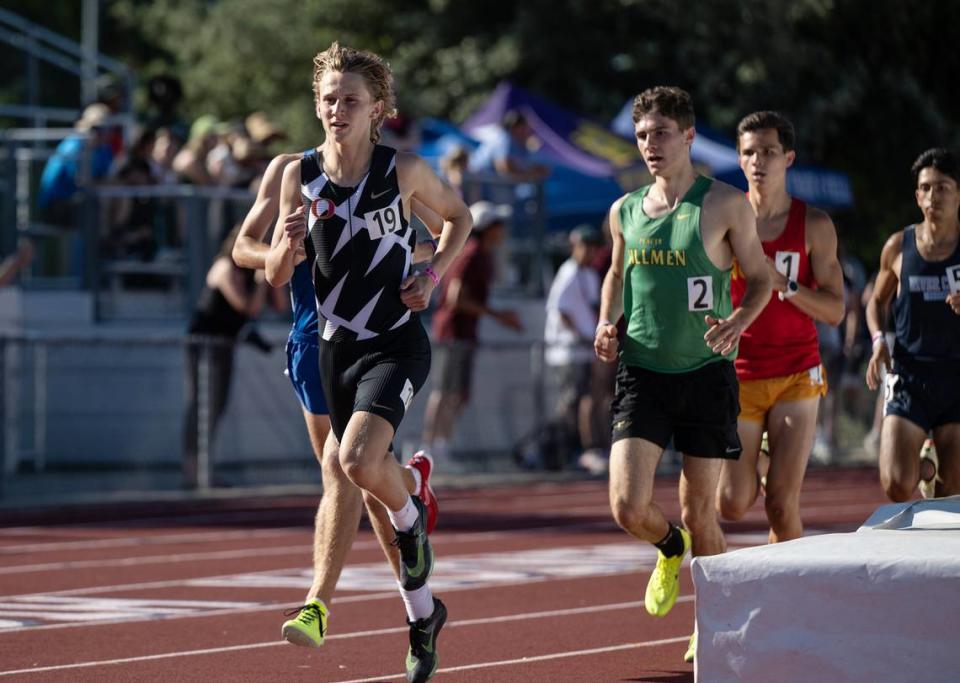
64,176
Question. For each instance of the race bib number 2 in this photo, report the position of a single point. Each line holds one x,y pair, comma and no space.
700,293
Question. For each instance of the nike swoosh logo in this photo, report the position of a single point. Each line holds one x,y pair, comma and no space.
683,217
377,405
379,194
416,570
428,648
732,450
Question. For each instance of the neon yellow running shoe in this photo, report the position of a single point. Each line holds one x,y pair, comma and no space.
691,652
664,584
308,628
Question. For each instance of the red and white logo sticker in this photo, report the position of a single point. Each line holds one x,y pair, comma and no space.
323,208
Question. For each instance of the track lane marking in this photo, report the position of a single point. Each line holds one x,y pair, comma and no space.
547,614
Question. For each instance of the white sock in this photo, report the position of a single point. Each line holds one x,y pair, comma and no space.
404,518
419,603
417,480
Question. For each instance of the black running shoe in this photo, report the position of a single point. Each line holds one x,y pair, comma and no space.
422,657
416,556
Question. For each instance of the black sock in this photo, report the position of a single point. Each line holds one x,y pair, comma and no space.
672,544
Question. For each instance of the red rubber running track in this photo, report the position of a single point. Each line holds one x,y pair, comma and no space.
539,583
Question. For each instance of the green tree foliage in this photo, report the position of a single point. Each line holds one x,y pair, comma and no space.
869,83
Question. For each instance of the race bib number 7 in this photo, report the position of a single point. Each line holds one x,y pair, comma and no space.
700,293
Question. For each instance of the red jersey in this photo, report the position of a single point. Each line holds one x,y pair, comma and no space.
475,269
783,339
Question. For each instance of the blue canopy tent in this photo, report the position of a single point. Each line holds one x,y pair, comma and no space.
592,167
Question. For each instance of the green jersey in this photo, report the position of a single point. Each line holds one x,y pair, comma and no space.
670,285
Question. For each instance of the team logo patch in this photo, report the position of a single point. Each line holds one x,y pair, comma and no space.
323,208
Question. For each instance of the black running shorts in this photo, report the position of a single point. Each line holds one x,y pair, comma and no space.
697,409
379,375
928,397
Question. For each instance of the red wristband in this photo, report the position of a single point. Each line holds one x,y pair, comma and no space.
432,274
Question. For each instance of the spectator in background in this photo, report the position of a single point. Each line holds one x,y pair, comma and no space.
255,156
402,133
232,297
164,93
453,167
65,173
167,143
11,266
462,301
572,307
190,163
130,219
507,152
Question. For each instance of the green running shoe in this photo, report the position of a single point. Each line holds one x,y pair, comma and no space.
691,652
416,556
664,585
422,657
308,627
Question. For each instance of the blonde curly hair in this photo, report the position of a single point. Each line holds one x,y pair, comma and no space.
374,70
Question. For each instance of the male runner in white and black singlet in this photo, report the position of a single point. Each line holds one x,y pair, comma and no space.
920,272
374,353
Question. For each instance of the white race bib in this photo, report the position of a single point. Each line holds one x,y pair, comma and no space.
383,221
953,279
700,293
788,264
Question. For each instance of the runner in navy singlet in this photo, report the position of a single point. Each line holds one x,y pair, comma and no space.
920,272
374,354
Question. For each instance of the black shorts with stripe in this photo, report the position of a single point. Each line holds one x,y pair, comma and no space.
697,409
379,375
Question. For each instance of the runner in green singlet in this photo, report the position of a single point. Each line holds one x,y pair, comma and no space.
673,248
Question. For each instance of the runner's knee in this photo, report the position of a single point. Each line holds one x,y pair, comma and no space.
897,490
699,517
780,508
629,514
731,506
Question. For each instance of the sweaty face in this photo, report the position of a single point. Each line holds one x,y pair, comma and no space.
661,142
937,195
762,158
346,107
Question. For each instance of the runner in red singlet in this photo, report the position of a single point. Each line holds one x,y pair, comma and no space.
778,363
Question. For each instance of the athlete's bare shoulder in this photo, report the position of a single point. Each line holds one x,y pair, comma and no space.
724,195
819,225
895,242
273,175
408,162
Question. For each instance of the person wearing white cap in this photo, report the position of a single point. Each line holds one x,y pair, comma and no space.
460,305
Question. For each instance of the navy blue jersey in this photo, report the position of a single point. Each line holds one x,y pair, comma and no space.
927,330
361,248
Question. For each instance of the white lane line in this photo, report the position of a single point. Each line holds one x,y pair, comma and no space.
156,559
360,634
138,541
537,658
462,537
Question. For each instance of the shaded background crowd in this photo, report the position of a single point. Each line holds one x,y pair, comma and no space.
138,191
